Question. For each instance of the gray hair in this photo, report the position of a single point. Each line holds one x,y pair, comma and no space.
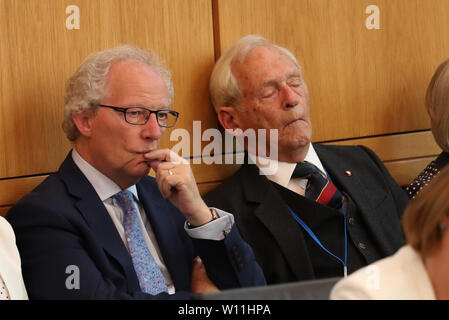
223,87
437,104
87,86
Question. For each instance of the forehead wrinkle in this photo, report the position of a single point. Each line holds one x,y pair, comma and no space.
263,55
154,107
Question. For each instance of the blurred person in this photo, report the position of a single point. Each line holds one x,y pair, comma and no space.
11,281
100,227
328,210
437,106
419,270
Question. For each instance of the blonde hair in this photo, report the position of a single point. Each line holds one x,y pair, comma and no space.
437,104
87,86
424,213
223,87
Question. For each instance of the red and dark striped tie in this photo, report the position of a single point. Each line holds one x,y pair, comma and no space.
319,188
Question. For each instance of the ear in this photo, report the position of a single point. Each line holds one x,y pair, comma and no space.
228,117
83,122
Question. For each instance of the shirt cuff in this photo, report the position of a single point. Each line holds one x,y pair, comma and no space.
215,230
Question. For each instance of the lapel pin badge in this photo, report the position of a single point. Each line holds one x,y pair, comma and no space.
348,173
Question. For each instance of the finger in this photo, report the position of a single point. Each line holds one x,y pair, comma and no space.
164,188
156,157
181,170
198,266
166,169
160,179
168,184
164,155
197,261
165,166
158,154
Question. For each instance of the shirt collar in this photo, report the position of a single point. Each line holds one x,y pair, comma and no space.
103,185
285,170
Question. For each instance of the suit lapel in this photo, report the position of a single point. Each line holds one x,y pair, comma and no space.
169,242
336,168
366,202
97,217
274,214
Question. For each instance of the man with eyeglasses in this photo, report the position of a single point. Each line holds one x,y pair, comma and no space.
100,228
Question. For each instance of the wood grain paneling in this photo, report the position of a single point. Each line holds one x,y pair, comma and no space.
206,187
38,53
399,146
404,155
362,82
12,190
4,210
404,171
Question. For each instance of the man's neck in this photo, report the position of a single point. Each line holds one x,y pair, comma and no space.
122,182
291,156
295,155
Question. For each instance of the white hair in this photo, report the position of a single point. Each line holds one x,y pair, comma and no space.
223,87
87,86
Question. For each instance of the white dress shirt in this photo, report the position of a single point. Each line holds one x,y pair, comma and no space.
283,174
106,188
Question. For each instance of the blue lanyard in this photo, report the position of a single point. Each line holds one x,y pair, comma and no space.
314,237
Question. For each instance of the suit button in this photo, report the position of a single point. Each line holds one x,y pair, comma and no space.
361,246
351,221
239,263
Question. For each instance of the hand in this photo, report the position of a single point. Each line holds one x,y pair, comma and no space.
200,280
177,183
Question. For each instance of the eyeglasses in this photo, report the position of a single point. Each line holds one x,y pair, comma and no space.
139,116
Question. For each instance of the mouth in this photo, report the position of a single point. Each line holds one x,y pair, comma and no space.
293,122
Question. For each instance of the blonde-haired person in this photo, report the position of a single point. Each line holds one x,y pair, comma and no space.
11,281
437,105
419,270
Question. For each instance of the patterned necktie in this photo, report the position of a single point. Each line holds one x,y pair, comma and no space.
150,276
319,188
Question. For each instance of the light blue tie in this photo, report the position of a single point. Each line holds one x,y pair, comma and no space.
150,276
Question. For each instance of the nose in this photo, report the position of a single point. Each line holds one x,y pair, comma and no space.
290,97
151,129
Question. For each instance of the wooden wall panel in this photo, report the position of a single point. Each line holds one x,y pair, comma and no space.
12,190
398,146
4,210
38,53
404,171
362,82
404,155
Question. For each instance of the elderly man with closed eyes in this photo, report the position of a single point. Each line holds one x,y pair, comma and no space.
327,210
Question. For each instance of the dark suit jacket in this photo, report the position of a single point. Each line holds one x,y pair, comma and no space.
278,242
64,223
